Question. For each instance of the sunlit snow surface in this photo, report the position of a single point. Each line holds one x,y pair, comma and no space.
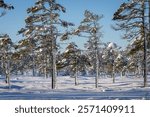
33,88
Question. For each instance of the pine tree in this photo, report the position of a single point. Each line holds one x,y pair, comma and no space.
74,60
5,6
109,56
121,62
44,21
25,50
71,56
134,52
90,28
133,18
6,47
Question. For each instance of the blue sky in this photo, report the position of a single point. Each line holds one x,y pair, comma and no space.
14,20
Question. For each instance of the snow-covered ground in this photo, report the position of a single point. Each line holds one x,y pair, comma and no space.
40,88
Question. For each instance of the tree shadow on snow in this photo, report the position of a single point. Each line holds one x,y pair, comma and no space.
11,87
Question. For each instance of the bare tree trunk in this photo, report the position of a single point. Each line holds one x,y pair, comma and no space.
8,80
45,73
76,72
76,76
145,45
7,73
149,26
46,66
33,63
97,69
113,73
54,64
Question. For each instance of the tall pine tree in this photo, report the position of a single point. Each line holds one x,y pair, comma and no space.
90,28
133,18
46,27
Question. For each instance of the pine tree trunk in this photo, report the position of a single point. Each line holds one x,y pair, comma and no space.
113,73
97,69
76,82
145,45
54,64
33,63
76,76
8,80
45,73
33,72
46,66
7,73
121,74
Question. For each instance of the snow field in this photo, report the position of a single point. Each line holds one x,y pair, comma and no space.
24,87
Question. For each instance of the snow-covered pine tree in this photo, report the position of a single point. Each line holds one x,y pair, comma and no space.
6,47
135,58
25,51
121,62
71,57
90,28
44,20
74,60
133,18
5,6
109,56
